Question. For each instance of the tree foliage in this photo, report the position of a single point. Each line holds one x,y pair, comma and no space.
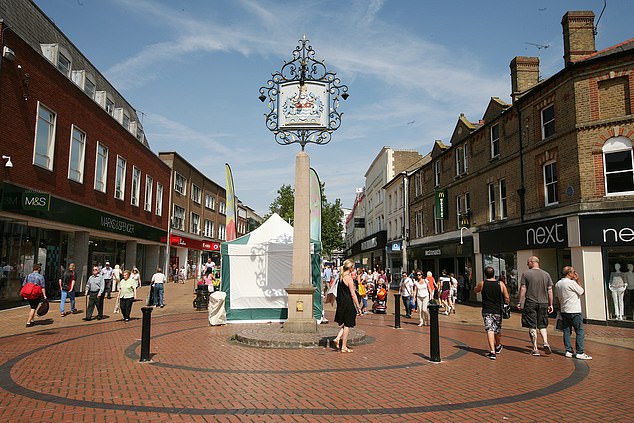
331,216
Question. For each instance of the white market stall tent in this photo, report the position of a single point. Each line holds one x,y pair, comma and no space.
256,269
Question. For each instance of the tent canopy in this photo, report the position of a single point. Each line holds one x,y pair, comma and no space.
256,269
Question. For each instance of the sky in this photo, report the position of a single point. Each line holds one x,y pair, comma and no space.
193,68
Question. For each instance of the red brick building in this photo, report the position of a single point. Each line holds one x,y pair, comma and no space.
84,185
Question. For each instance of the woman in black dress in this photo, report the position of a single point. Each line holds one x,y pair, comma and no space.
347,306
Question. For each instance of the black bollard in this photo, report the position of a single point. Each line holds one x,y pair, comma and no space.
145,333
434,335
397,311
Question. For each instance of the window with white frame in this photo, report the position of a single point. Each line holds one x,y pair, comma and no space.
101,167
159,199
44,138
63,64
461,159
222,231
209,228
136,186
437,173
550,183
492,211
89,87
210,201
119,183
126,121
196,194
463,206
618,166
222,207
503,206
178,219
419,224
495,141
548,121
149,185
180,184
194,224
76,155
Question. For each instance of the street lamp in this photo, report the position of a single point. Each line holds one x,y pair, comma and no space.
461,229
302,99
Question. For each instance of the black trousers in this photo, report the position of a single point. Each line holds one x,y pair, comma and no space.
108,289
126,307
94,299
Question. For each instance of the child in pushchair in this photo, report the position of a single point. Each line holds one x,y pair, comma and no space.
379,305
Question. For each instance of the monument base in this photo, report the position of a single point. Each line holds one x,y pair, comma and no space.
300,310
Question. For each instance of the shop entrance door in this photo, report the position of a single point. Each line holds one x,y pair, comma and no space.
99,258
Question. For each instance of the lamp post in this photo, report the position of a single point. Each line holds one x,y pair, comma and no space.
462,228
303,97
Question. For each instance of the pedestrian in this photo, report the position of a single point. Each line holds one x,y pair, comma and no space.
406,289
136,276
127,295
568,292
453,294
431,284
35,278
347,307
158,284
67,289
494,294
445,291
107,272
421,291
116,277
94,291
174,273
536,302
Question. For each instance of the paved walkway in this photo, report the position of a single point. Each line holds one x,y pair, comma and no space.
64,369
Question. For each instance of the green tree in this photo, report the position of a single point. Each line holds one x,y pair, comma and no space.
331,216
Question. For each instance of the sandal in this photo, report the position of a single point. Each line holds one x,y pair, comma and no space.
346,350
335,343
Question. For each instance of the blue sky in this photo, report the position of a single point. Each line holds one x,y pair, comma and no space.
193,68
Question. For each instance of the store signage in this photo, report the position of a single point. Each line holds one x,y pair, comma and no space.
370,243
396,246
465,220
616,229
441,204
544,234
35,201
195,244
436,252
117,225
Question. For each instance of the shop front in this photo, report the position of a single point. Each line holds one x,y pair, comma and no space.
506,249
41,228
189,255
394,257
611,238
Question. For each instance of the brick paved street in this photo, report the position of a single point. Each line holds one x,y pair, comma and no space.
64,369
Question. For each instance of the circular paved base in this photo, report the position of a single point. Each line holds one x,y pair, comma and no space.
275,337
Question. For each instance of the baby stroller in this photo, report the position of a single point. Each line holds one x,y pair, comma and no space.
379,305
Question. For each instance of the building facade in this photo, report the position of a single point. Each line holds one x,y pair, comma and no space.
551,175
79,182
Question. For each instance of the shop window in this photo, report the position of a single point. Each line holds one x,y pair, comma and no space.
136,186
119,184
619,283
618,165
548,121
76,155
505,266
495,141
550,184
101,167
159,199
149,184
44,137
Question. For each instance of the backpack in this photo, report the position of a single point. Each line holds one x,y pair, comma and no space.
31,291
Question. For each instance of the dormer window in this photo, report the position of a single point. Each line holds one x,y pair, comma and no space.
63,64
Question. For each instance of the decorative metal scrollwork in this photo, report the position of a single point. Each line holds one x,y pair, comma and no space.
303,69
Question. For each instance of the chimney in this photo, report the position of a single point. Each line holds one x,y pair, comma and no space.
578,35
524,75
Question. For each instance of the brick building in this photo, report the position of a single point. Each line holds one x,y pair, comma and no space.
83,185
551,174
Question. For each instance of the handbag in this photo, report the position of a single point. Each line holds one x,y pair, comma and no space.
559,323
506,308
31,291
43,308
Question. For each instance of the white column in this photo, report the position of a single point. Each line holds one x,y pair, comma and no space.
588,262
130,255
80,251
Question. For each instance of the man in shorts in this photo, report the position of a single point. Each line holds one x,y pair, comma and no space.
536,302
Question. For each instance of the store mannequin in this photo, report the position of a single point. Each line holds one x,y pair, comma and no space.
617,285
629,278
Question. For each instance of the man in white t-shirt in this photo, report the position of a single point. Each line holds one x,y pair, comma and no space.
158,281
406,289
568,293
